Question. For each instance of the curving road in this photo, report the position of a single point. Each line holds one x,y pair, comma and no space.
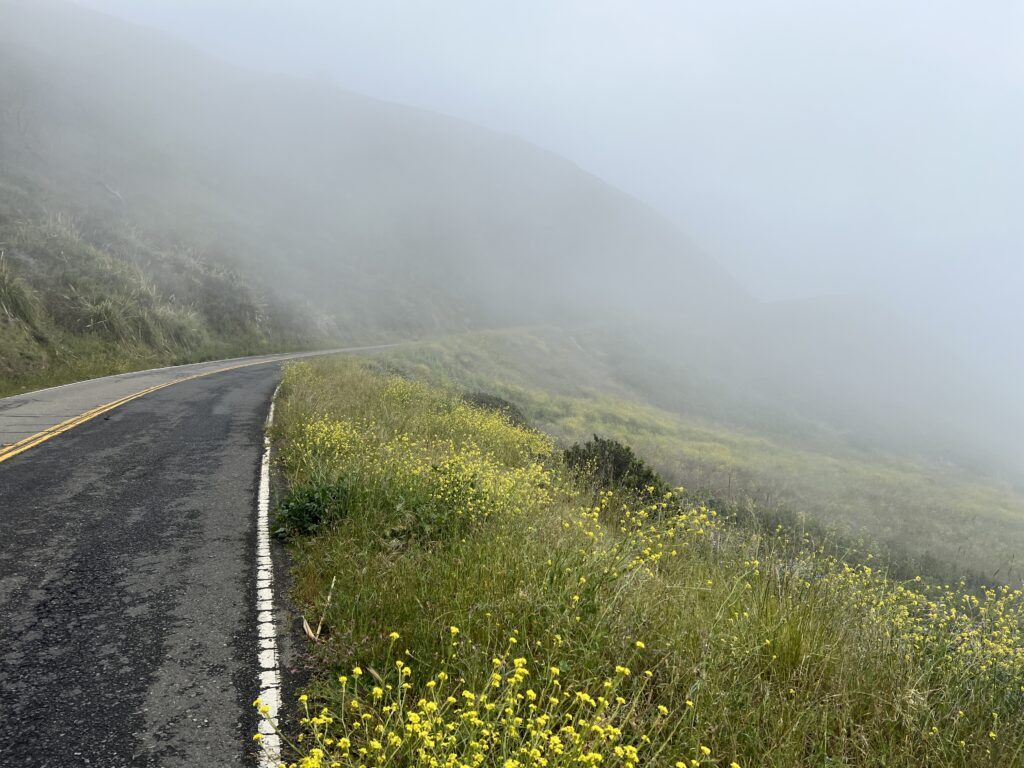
128,593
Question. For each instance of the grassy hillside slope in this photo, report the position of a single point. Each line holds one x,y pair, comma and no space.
933,517
79,300
492,610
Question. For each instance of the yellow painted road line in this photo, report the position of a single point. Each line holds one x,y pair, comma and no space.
41,437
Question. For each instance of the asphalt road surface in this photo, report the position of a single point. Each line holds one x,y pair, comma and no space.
128,632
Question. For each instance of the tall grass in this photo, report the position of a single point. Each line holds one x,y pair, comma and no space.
17,299
489,611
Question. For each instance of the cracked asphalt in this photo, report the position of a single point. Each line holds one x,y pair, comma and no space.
127,582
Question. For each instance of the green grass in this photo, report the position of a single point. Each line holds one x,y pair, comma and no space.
80,299
470,570
930,517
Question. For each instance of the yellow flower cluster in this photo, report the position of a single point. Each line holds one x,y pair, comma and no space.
978,633
441,417
628,538
440,485
439,462
523,717
975,633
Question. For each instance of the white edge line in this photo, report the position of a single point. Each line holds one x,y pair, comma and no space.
266,643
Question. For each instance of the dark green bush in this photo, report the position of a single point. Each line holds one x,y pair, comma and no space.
613,465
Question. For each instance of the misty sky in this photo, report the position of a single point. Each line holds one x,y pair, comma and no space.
811,147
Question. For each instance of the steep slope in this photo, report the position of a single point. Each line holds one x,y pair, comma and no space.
79,300
334,195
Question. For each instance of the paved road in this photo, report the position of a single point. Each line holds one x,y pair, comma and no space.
25,415
128,579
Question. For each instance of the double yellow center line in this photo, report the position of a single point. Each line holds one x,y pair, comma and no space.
24,444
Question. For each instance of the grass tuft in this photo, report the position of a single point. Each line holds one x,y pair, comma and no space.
18,302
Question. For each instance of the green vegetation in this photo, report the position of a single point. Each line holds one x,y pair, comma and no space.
610,464
492,611
79,300
920,515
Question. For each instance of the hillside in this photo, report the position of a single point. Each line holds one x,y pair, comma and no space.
510,612
374,220
331,195
80,299
918,513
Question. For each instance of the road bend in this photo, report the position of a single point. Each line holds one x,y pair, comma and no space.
128,628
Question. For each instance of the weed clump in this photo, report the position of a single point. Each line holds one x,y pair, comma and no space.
305,508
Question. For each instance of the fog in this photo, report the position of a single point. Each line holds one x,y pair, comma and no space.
811,148
811,207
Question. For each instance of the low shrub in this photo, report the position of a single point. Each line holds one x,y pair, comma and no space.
613,465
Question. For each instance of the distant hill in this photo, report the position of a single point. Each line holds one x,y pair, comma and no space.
419,220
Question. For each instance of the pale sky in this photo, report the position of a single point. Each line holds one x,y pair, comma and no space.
809,146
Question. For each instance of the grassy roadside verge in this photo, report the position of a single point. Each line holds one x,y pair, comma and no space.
490,610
